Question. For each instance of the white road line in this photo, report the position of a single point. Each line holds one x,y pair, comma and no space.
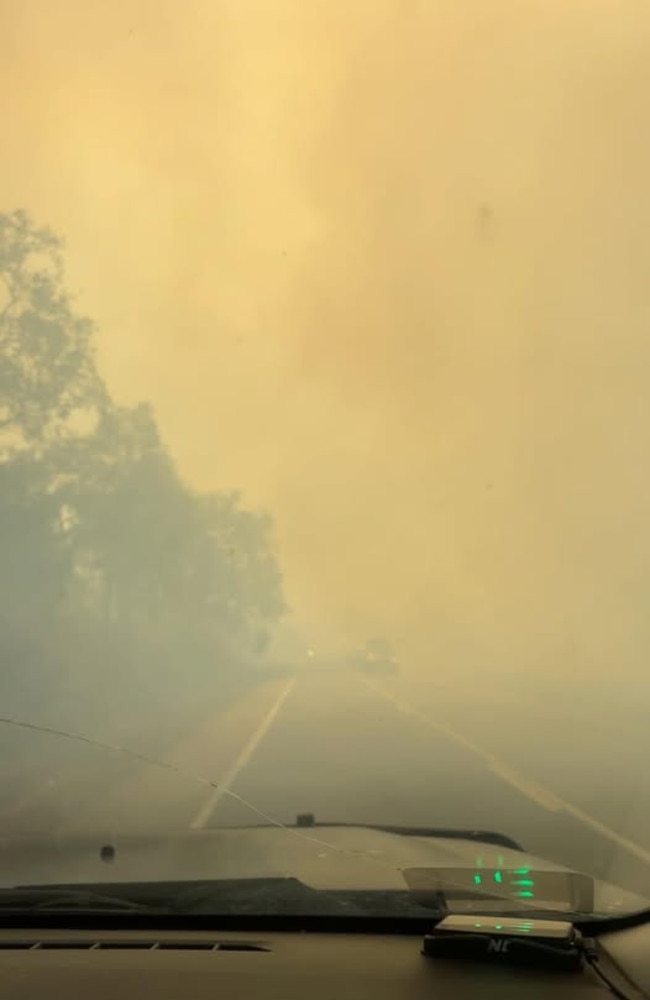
242,759
539,794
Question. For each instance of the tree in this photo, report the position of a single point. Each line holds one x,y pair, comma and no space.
127,511
36,560
47,378
242,541
160,550
47,369
101,538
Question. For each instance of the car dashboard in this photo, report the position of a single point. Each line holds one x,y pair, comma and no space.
238,965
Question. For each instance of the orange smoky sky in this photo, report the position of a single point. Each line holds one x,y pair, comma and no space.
381,265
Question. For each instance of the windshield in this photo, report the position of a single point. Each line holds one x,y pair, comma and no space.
324,427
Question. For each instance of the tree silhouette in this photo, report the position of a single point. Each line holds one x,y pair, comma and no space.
99,534
47,375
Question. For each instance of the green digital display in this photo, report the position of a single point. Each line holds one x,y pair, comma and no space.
516,882
523,886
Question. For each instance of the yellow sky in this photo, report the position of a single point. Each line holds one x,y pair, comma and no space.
382,265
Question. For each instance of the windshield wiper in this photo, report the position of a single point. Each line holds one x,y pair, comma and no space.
248,895
24,898
266,900
495,839
216,897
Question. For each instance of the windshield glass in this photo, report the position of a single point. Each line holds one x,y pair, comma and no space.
324,427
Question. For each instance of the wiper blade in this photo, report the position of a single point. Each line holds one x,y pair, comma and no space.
452,833
247,895
492,837
23,898
255,897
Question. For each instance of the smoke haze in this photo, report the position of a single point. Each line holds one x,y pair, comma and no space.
382,266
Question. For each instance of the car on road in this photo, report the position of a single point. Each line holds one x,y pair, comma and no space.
377,657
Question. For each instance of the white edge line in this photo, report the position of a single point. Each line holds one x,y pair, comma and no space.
242,759
540,795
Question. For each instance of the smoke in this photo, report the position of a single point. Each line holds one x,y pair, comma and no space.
381,265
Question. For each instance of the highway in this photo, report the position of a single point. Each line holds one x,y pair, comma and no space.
565,784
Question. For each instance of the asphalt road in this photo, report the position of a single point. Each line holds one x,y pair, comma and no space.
560,777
